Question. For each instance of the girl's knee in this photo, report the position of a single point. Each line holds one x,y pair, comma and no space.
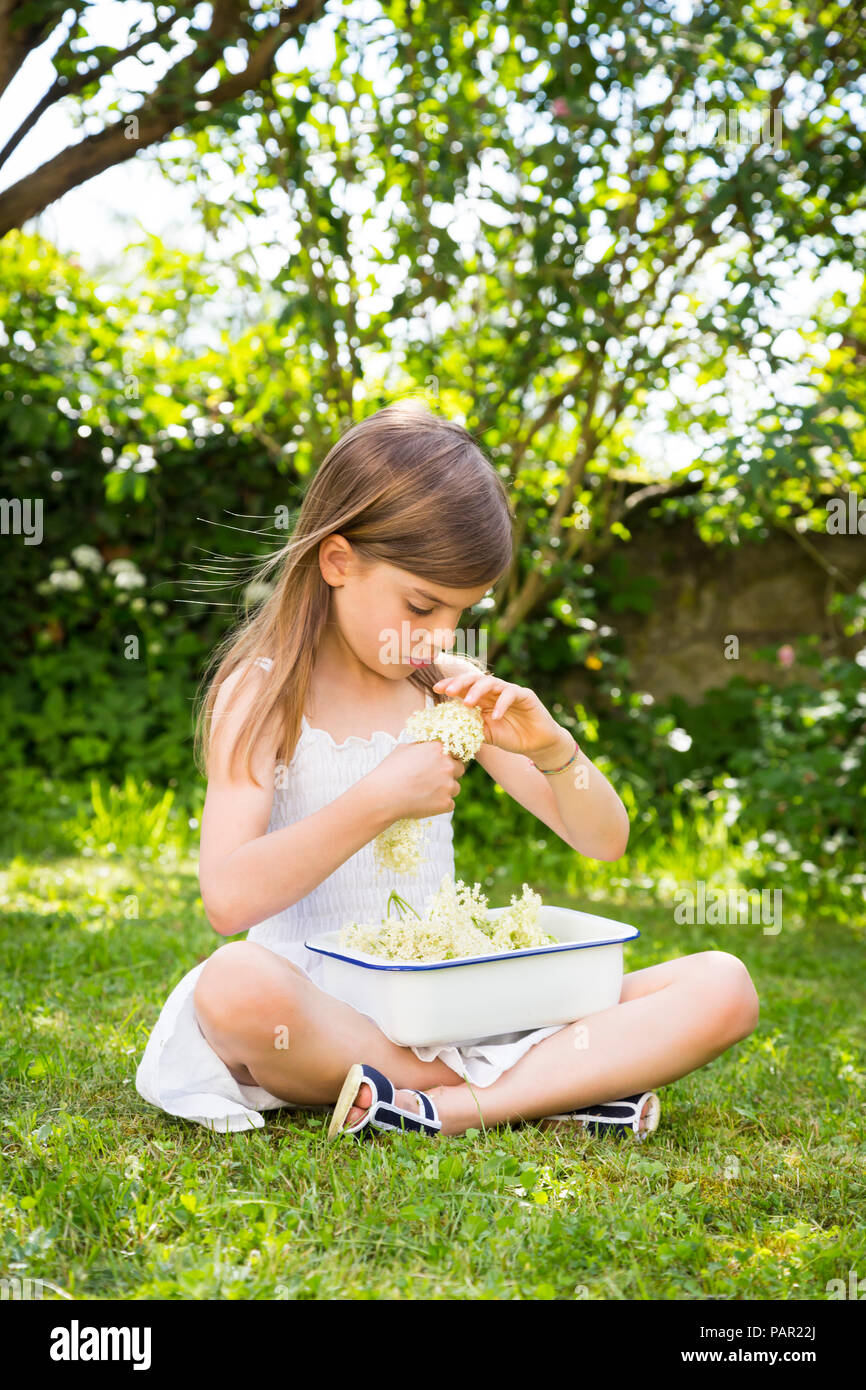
239,984
732,993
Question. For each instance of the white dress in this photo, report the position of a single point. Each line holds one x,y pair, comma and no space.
180,1072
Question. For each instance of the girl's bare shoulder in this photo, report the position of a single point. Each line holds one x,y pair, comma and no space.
233,704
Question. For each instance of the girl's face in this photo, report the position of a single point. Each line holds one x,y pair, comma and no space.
393,620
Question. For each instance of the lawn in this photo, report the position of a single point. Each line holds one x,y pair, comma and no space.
752,1187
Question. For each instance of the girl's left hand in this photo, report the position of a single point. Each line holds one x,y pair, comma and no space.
514,717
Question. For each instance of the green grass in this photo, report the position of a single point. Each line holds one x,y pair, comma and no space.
749,1189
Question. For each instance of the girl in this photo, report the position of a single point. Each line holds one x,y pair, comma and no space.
404,526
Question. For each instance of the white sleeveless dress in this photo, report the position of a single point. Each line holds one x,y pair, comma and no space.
180,1072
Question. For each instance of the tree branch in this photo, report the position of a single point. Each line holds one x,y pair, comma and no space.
66,87
163,111
17,41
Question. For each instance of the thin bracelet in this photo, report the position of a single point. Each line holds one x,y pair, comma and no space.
549,771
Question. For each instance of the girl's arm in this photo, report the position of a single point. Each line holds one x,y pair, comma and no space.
246,874
579,805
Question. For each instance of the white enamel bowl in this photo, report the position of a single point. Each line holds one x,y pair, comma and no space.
433,1003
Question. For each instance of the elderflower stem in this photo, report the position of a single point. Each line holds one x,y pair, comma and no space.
400,904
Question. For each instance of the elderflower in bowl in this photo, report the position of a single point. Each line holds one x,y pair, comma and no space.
457,922
399,848
461,971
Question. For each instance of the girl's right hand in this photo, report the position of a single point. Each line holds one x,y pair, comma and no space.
419,779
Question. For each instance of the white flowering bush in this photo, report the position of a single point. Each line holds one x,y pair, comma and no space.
126,573
87,557
457,922
65,579
460,727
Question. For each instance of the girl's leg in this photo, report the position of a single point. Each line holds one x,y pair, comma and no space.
671,1019
261,1013
273,1027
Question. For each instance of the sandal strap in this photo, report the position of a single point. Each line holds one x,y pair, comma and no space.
428,1108
613,1112
388,1117
382,1091
392,1117
379,1085
384,1114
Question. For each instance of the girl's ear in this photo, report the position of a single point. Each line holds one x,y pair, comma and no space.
335,559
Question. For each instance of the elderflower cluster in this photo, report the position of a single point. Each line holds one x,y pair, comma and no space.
398,847
456,922
458,725
461,730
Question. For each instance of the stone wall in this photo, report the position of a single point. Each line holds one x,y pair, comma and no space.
765,593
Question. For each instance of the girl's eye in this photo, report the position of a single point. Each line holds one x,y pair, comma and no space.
423,611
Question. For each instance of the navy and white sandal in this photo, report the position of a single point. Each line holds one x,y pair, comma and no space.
382,1112
615,1116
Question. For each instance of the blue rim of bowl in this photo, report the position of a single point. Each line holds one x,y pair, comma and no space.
632,934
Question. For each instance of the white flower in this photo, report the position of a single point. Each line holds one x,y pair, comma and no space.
129,579
87,557
680,740
399,846
66,579
256,591
461,729
458,725
456,922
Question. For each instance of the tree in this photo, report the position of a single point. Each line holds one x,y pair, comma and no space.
568,222
641,188
200,82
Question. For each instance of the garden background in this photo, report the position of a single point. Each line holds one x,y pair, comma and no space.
624,245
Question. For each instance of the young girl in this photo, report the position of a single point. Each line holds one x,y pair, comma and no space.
405,525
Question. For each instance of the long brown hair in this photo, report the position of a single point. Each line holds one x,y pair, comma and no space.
403,486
